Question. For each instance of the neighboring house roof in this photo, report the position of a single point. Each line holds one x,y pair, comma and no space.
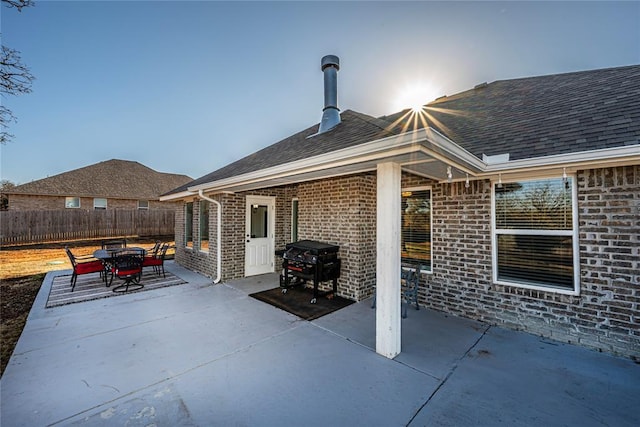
542,116
528,118
115,179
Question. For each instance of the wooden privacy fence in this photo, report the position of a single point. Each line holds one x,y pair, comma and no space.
21,227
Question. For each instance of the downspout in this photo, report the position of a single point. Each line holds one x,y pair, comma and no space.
218,240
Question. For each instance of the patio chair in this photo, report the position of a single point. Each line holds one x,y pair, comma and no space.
114,244
156,260
409,281
84,264
155,248
127,266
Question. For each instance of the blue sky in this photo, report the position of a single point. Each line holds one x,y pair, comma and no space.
187,87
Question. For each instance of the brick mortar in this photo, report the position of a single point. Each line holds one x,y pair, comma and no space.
342,211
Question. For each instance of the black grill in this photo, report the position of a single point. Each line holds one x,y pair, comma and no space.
308,260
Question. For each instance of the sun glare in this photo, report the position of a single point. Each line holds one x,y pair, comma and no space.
416,95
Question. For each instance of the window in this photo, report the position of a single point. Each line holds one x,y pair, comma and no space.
72,202
204,226
416,228
188,225
143,204
294,220
99,203
259,218
535,234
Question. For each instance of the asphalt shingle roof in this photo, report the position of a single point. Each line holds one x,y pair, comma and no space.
541,116
354,129
527,118
118,179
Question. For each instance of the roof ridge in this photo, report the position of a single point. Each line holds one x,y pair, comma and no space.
566,73
379,122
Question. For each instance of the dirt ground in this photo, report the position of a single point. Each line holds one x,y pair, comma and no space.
22,270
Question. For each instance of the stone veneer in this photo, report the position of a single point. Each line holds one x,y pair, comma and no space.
342,211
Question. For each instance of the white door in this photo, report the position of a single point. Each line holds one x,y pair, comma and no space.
259,235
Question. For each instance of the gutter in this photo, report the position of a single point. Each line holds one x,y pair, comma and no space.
426,141
219,230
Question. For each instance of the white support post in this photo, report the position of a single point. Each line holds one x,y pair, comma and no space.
388,260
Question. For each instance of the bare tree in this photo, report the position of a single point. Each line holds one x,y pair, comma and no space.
15,77
18,4
5,185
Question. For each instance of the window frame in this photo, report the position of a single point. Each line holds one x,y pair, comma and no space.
428,188
100,208
295,217
202,204
188,226
66,202
141,207
574,233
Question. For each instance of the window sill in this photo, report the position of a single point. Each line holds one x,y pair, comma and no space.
538,288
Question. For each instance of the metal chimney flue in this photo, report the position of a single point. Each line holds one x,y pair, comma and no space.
330,65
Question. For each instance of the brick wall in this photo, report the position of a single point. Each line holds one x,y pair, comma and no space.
605,314
342,211
26,202
233,232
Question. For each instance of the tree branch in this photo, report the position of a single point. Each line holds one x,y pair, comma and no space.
18,4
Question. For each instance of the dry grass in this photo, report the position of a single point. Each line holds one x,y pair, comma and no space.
22,270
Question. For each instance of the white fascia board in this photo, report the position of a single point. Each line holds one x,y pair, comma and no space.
427,141
177,196
628,154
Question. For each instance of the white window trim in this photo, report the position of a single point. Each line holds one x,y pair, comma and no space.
430,189
574,233
145,208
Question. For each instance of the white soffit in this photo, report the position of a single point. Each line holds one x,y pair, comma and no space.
424,146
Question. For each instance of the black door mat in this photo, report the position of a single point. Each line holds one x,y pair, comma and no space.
298,301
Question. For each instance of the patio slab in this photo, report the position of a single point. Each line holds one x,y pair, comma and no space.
517,379
201,354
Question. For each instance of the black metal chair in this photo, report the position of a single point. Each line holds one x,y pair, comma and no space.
83,265
409,281
156,260
127,266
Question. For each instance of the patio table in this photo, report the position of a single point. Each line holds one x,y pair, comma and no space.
108,256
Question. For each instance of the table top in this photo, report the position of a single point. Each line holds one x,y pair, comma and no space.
110,253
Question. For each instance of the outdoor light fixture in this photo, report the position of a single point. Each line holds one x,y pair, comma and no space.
449,174
466,183
499,180
564,174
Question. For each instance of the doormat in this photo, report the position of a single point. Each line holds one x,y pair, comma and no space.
92,286
298,301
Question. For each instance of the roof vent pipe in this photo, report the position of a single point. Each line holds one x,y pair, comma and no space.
330,65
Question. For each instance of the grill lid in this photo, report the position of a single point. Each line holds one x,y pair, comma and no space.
313,247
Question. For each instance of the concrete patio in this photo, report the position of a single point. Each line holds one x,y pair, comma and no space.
201,354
